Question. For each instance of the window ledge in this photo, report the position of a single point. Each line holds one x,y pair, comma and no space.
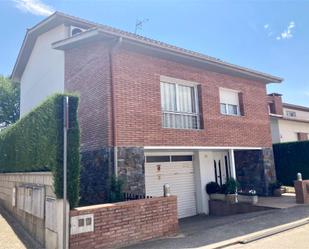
183,129
231,115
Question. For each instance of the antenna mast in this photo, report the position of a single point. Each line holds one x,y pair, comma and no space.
139,24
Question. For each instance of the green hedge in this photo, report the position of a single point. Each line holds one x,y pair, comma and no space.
35,143
291,158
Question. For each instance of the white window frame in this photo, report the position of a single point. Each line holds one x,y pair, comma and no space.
227,104
177,83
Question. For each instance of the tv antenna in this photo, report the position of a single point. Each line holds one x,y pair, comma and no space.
139,24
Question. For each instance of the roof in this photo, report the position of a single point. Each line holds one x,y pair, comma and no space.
296,107
96,30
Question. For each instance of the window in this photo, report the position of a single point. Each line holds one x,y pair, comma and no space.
291,114
301,136
170,158
179,106
158,159
229,102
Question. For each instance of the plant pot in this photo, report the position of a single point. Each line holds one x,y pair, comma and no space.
218,197
277,192
231,198
253,199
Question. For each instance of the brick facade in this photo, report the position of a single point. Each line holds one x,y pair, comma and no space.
87,72
125,223
275,102
136,82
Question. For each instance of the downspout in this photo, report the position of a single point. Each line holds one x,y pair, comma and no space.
113,104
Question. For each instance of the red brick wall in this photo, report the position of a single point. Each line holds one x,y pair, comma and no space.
125,223
276,101
87,72
136,79
137,84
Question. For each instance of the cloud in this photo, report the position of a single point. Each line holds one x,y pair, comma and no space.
266,26
35,7
287,33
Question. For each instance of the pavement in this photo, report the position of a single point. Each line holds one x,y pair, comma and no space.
8,238
218,232
296,238
287,200
13,235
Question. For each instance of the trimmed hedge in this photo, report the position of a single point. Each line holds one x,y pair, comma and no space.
35,143
291,158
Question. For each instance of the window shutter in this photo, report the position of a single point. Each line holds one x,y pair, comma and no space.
241,104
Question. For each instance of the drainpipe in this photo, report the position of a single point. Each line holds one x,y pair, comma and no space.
113,104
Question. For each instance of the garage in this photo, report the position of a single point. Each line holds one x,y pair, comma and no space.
177,171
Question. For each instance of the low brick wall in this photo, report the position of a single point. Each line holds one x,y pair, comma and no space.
124,223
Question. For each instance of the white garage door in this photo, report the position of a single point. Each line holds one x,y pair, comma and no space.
177,171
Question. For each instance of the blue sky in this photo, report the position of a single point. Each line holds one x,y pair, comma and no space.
269,36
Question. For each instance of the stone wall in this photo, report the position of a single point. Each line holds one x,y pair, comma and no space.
96,171
125,223
131,169
255,169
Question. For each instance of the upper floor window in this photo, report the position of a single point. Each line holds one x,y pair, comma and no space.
229,102
291,114
179,103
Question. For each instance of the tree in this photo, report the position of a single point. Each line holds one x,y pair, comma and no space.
9,101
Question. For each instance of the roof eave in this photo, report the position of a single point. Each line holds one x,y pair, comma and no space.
69,42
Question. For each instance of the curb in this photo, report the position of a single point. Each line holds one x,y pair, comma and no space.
258,235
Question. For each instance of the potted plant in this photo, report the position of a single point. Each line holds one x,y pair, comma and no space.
214,191
248,197
275,188
231,190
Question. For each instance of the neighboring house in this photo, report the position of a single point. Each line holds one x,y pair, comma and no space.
288,122
150,112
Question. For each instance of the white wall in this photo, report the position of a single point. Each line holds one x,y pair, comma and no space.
205,173
275,134
299,114
44,73
289,129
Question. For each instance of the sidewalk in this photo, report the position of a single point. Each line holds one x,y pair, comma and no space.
200,231
8,238
13,235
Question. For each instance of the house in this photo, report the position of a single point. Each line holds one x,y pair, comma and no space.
288,122
152,113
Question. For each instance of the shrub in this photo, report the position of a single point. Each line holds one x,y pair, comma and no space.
274,185
116,193
35,143
212,188
291,158
231,186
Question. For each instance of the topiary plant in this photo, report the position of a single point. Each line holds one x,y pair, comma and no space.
231,186
212,188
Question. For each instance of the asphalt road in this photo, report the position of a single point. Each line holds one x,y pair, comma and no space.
297,238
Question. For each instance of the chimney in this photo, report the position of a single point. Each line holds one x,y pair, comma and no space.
275,103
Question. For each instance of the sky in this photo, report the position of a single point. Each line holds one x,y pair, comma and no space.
268,36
